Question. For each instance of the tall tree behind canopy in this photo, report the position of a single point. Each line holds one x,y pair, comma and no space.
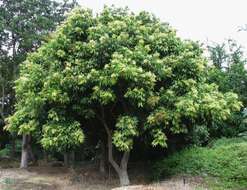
24,24
229,68
230,74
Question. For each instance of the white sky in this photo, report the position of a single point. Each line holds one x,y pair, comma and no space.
212,20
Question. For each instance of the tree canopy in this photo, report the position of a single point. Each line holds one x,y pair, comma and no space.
24,25
127,73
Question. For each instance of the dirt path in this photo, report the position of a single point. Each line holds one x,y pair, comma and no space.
53,178
16,179
47,178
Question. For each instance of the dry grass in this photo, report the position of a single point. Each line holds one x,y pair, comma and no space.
176,183
83,178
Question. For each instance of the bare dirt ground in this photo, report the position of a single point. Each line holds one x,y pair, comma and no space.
84,178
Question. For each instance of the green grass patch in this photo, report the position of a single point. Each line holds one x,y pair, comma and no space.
223,164
8,181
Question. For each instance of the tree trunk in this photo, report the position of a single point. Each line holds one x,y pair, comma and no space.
123,177
13,147
31,155
122,169
45,156
123,174
3,100
15,66
24,152
102,158
72,158
66,159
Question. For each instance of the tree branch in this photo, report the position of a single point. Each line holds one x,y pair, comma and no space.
109,139
2,102
110,155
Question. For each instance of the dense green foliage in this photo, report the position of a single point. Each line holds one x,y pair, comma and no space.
229,73
118,76
130,66
225,159
24,25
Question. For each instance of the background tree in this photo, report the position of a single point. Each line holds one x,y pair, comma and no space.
230,74
218,55
128,73
24,25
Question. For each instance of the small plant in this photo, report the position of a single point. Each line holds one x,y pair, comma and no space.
5,152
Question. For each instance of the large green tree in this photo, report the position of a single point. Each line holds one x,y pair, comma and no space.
24,25
128,74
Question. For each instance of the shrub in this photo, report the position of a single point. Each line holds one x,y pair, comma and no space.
225,160
7,150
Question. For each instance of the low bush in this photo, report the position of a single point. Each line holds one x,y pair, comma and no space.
7,150
225,160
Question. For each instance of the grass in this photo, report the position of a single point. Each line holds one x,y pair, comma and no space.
8,181
223,164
